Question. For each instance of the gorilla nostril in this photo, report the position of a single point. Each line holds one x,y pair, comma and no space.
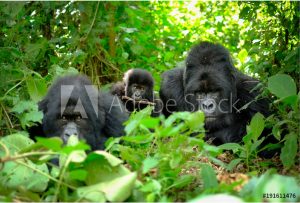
211,106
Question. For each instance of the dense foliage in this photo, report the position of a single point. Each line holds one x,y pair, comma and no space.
157,159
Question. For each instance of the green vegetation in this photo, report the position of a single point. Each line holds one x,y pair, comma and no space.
157,159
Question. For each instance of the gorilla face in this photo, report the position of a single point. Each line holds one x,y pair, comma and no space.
71,107
137,91
209,84
138,84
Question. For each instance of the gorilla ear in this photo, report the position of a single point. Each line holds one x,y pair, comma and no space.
43,105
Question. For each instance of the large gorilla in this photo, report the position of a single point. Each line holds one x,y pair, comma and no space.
210,82
136,91
73,106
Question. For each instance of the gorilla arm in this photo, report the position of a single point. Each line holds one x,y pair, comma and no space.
172,91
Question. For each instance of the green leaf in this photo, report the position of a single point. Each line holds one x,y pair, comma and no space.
54,143
24,172
150,122
242,56
182,181
230,146
78,174
151,186
256,126
102,166
149,163
116,190
36,88
291,101
282,85
208,176
233,164
289,150
195,121
138,139
23,106
175,160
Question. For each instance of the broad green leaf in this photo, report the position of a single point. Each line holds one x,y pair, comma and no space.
102,166
282,85
150,122
256,126
78,174
289,150
14,174
22,106
54,143
116,190
292,101
149,163
36,88
208,176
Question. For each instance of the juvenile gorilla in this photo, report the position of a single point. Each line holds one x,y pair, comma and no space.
136,91
73,106
210,82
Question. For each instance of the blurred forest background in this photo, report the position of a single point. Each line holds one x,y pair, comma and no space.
43,40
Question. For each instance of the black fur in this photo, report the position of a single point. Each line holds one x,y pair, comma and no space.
101,121
138,77
209,73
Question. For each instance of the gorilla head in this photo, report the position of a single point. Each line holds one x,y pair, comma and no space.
138,84
73,106
209,83
136,91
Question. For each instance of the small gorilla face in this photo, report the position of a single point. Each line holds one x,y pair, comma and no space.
137,92
138,84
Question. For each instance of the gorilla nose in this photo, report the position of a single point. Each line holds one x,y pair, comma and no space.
70,129
70,132
208,106
137,96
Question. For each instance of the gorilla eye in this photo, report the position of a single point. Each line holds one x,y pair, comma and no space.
78,118
142,88
64,118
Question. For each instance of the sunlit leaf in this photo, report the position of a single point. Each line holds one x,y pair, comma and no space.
282,85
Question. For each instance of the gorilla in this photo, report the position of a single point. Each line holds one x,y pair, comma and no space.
73,106
211,83
136,91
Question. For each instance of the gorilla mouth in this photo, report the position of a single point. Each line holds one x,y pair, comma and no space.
210,118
